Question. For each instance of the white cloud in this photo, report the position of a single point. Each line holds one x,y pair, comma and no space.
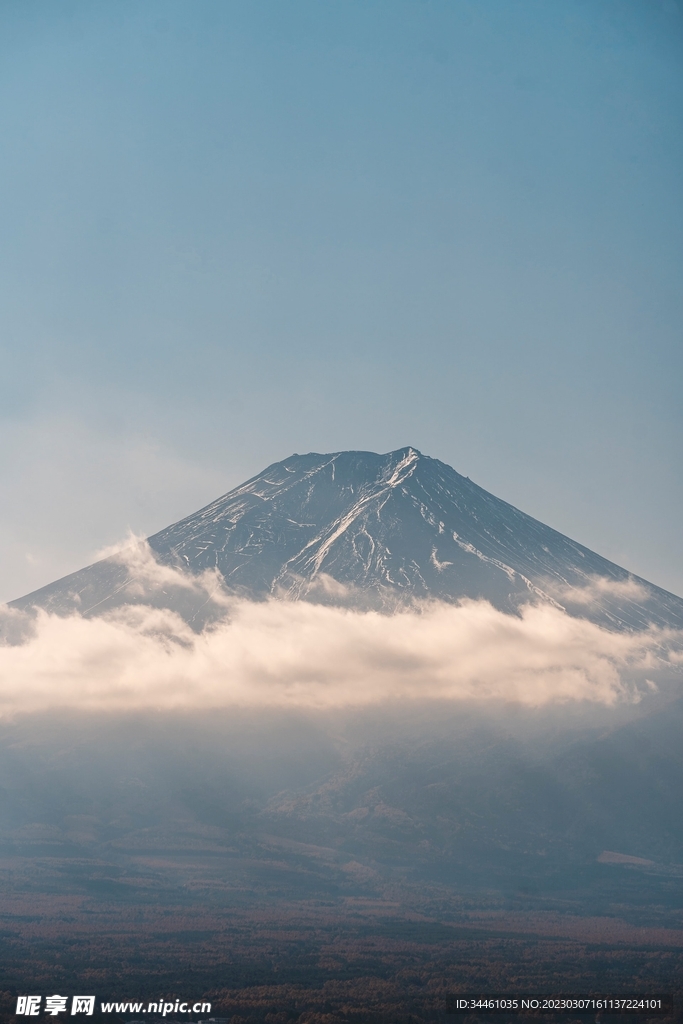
147,575
281,653
597,588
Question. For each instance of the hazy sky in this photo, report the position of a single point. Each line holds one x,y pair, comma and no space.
235,230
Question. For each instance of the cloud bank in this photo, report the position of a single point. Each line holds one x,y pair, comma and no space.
297,654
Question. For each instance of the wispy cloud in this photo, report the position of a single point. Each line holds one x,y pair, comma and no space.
598,588
147,575
283,653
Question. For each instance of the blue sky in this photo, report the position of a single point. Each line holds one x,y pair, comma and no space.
232,231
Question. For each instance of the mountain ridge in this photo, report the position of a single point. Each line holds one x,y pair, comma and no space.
377,530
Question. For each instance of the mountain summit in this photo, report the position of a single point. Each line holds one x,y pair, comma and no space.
363,528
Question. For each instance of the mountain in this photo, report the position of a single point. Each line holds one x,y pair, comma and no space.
246,843
369,529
